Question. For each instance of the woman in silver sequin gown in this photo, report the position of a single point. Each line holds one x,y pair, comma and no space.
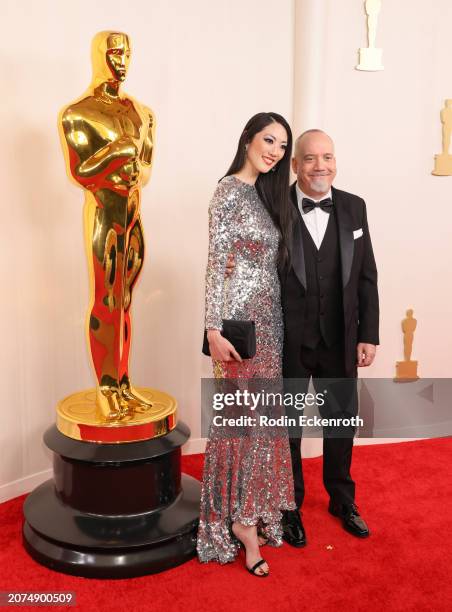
247,479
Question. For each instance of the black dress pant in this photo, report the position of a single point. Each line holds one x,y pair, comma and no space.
327,363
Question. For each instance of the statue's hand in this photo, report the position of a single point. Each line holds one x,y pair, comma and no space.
124,147
125,177
128,173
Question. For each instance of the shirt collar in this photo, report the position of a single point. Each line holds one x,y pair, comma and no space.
301,195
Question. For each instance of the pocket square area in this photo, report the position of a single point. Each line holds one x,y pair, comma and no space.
357,233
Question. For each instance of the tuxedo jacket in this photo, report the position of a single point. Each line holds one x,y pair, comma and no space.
358,278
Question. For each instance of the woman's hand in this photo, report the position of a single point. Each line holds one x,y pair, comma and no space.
230,265
220,348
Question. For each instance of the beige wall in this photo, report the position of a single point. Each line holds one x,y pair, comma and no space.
205,67
387,129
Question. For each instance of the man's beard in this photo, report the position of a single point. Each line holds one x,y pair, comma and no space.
320,184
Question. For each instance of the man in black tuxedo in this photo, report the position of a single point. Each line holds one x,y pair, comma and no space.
330,304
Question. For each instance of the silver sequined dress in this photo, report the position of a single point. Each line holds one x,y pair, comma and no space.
247,478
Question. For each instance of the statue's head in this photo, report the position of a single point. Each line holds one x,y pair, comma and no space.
409,312
110,52
449,103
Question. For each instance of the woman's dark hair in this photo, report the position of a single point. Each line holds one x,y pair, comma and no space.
272,186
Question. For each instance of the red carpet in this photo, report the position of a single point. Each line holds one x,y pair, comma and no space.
404,492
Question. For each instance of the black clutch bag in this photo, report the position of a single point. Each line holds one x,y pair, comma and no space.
241,334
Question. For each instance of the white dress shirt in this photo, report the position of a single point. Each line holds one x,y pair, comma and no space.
316,219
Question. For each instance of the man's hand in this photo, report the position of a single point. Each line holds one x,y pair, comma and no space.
365,354
230,265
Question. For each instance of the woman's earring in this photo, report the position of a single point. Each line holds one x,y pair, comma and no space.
273,169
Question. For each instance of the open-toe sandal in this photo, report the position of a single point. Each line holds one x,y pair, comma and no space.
252,570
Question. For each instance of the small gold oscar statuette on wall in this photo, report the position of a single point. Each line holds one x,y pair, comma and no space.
406,371
370,57
443,162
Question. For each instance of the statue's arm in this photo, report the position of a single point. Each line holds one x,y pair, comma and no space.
121,149
148,145
81,139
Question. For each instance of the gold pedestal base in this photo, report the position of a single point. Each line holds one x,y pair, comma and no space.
406,371
79,418
443,165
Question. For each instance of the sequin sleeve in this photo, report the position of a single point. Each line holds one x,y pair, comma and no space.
222,210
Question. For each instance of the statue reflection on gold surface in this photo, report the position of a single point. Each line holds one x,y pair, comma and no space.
108,141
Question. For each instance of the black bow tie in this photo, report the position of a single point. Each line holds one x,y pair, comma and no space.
308,205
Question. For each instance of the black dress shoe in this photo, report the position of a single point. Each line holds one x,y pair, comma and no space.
293,530
351,519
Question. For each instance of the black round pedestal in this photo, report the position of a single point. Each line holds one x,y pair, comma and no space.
113,510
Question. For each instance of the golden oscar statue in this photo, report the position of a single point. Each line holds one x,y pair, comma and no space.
108,140
118,505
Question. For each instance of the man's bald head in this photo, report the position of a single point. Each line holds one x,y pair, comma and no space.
314,162
304,140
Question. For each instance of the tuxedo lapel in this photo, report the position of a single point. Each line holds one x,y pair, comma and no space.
346,240
297,255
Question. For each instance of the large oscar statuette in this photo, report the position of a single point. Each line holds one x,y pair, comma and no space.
118,505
